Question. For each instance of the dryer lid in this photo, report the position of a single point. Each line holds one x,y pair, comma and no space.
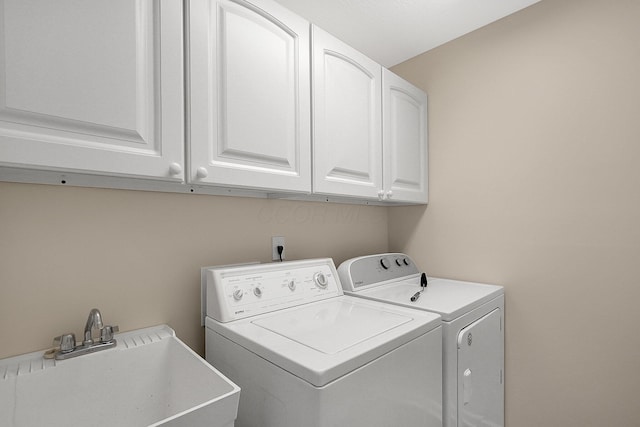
322,341
449,298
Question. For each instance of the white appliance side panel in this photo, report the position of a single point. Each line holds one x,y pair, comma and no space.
401,388
450,331
480,372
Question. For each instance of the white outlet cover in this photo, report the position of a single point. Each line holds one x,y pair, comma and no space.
275,242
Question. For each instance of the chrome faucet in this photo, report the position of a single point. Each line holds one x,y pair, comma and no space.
67,342
94,321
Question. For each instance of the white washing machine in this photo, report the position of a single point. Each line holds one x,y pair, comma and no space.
473,330
306,355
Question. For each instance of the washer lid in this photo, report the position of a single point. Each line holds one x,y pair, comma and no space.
322,341
449,298
333,327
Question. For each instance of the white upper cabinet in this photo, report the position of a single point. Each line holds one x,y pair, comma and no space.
404,123
92,87
249,91
369,127
95,90
347,140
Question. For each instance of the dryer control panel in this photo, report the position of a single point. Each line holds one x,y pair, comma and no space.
373,270
243,291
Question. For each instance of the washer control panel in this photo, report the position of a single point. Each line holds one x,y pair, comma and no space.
238,292
372,270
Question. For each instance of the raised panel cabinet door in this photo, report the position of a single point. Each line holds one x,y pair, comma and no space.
405,155
347,119
93,87
249,95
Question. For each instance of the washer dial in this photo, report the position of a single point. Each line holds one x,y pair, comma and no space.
320,280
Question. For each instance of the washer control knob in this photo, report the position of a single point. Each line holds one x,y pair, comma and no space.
385,263
257,292
238,294
406,261
399,262
321,280
292,285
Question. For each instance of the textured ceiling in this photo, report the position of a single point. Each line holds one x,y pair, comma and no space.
392,31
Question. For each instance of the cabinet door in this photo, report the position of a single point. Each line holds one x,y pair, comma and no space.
347,119
249,95
92,86
404,141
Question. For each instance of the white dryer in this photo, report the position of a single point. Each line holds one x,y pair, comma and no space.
473,330
306,355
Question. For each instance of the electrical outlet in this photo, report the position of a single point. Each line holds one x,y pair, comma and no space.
275,242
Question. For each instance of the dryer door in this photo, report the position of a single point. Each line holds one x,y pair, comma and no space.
480,372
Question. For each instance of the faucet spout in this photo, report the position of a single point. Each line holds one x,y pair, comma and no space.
94,321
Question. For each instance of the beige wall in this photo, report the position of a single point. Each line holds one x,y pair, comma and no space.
534,126
137,255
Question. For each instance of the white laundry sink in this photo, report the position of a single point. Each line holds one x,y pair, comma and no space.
150,378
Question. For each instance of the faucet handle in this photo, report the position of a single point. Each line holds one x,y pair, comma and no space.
106,333
66,342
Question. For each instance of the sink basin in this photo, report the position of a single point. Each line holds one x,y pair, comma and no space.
150,378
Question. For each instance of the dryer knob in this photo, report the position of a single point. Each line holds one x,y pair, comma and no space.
399,262
406,261
385,263
292,285
237,294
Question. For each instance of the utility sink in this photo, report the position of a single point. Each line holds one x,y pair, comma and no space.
150,378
